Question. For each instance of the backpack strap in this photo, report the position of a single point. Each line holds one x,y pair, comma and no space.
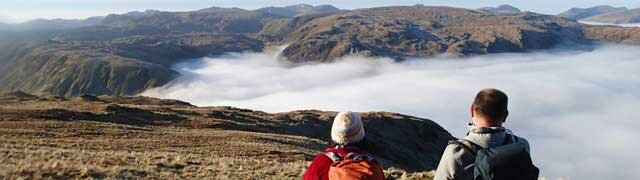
359,157
510,138
466,145
335,157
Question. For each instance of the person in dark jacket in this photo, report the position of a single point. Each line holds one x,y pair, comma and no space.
347,135
488,113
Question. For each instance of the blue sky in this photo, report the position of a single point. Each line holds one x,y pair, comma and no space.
22,10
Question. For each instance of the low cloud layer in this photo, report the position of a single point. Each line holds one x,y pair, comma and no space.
578,109
3,18
611,24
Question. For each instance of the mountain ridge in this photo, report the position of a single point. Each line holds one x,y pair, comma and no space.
581,13
424,31
122,66
298,9
617,17
51,24
501,9
152,41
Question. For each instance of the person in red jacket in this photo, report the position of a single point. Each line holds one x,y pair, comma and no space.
347,135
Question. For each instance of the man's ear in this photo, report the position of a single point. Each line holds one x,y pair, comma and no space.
505,117
473,114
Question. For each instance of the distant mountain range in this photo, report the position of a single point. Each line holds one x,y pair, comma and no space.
617,17
298,9
125,54
502,9
604,14
51,24
581,13
55,24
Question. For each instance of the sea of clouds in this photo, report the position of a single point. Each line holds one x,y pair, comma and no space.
579,109
611,24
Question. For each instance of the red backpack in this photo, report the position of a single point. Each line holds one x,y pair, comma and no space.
354,166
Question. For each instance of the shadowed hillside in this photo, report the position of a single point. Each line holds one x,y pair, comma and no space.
139,137
123,66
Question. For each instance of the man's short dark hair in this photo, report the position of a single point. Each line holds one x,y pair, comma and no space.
491,104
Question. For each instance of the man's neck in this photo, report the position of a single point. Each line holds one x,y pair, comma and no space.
485,123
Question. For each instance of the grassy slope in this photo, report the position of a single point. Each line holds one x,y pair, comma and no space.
111,137
124,66
42,70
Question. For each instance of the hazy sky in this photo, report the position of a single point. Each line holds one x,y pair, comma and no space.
22,10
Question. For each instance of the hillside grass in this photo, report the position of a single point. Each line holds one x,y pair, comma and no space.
141,138
35,162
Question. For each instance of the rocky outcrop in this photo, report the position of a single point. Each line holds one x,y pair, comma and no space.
419,31
613,34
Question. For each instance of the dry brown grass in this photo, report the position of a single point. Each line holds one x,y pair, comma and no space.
251,157
395,173
133,138
37,162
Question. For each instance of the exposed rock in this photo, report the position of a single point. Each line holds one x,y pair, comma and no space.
613,34
17,95
87,97
420,31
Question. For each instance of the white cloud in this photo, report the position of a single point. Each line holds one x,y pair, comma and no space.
4,18
611,24
578,109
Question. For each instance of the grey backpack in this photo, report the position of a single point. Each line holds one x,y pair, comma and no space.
509,161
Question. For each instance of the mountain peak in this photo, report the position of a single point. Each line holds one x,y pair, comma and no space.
616,17
502,9
506,6
302,5
582,13
298,9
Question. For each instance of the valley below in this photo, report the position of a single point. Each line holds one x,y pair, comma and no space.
231,93
558,97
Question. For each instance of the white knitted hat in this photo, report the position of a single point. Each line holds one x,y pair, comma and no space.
347,128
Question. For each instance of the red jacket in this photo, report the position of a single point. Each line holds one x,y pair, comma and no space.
319,167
